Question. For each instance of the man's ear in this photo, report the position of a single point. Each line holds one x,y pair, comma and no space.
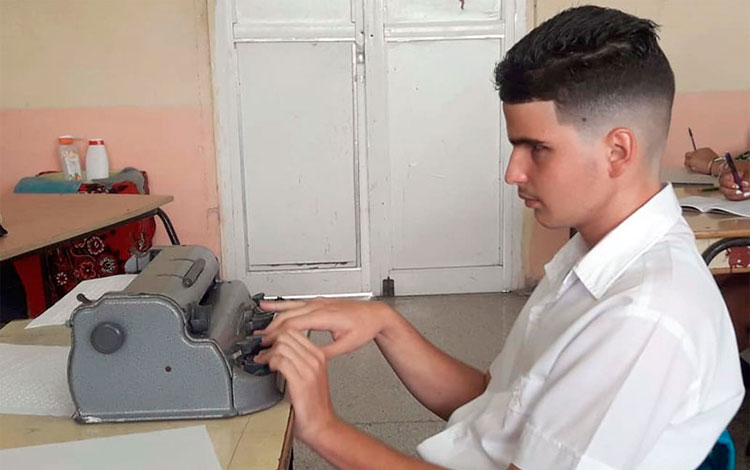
622,147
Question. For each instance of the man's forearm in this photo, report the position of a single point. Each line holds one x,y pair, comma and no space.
345,446
440,382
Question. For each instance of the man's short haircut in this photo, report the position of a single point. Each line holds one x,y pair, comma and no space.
593,63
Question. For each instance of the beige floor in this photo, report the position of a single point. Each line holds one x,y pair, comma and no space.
366,392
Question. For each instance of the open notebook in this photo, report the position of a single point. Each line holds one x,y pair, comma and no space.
713,204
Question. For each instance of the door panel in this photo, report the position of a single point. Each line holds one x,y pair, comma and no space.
297,137
301,147
445,154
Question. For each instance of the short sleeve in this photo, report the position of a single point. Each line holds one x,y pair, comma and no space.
609,395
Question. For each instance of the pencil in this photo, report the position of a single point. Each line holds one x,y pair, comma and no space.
690,132
735,175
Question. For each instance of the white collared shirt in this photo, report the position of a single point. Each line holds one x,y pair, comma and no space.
624,357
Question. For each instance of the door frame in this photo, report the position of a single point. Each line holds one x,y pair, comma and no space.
374,167
227,136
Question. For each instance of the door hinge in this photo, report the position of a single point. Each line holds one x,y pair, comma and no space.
389,288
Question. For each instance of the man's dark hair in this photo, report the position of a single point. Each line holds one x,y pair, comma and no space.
591,62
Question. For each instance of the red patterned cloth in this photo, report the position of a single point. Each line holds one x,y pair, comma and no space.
49,274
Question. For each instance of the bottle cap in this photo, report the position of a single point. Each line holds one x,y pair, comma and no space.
65,139
96,141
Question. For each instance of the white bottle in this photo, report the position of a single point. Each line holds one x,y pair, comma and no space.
69,159
97,161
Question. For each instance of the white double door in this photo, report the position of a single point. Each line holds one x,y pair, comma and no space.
361,140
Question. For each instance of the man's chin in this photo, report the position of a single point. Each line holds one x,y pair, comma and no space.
547,222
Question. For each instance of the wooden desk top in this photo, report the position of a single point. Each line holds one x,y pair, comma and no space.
712,225
257,441
34,221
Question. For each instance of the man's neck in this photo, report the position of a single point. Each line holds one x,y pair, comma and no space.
616,209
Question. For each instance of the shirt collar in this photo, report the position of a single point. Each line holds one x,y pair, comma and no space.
599,267
562,263
609,258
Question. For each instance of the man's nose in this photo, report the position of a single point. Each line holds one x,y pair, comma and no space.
515,173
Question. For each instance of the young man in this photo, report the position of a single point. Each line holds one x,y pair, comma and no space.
624,357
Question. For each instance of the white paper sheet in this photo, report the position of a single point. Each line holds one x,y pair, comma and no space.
182,448
59,313
34,380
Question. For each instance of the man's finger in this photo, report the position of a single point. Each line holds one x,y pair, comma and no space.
305,365
291,339
281,305
303,356
308,346
285,367
281,318
262,357
317,321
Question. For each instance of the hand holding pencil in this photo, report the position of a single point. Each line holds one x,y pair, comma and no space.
734,181
703,160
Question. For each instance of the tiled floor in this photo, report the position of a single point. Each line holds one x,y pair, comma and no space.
367,393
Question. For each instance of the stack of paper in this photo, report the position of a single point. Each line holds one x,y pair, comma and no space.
34,380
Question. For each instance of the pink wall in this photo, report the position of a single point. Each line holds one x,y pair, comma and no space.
174,145
719,119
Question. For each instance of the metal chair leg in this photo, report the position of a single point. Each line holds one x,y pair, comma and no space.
168,226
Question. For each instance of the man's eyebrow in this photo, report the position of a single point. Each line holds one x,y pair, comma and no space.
526,141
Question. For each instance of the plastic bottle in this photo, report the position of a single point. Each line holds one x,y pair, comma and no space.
69,159
97,161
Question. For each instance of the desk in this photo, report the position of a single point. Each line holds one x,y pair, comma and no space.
710,228
258,441
34,221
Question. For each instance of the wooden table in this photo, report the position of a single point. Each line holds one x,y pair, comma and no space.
34,221
710,228
257,441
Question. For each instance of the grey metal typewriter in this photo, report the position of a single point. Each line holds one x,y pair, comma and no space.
177,343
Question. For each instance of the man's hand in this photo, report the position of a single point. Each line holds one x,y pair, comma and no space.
700,160
303,365
729,188
438,381
351,323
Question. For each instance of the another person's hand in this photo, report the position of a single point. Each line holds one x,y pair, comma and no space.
702,161
351,323
303,365
729,188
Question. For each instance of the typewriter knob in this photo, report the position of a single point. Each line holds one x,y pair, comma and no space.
107,337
